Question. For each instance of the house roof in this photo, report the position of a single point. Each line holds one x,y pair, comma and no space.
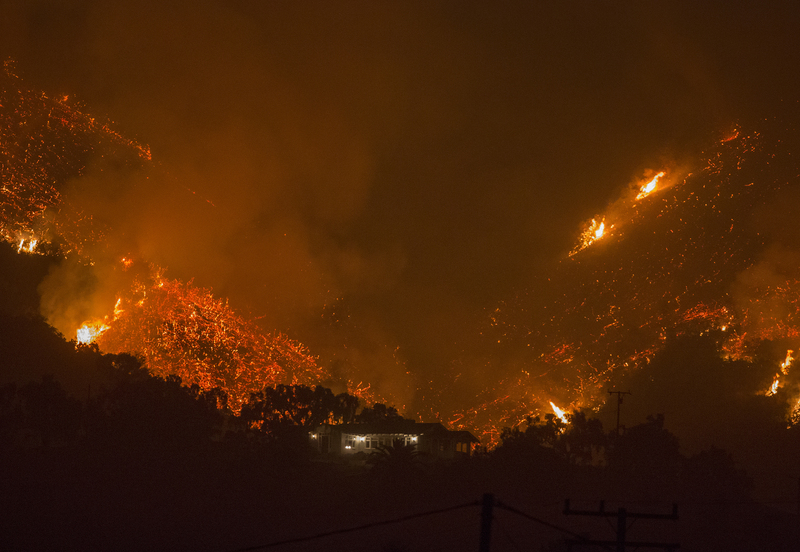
466,436
405,427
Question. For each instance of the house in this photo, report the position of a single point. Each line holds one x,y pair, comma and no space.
431,439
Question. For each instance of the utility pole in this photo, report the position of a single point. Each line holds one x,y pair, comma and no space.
619,402
622,516
487,505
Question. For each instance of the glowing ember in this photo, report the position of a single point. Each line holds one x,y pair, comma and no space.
90,331
117,309
794,416
649,187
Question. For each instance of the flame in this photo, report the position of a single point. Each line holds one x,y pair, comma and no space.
776,380
90,331
649,187
560,413
600,230
30,248
776,383
591,234
117,309
787,362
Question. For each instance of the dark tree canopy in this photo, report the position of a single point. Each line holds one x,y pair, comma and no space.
646,456
378,413
274,411
153,413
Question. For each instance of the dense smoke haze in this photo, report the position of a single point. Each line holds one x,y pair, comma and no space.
373,179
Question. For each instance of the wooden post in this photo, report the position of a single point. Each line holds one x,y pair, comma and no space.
486,522
622,528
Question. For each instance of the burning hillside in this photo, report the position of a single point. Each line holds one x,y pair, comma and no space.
700,252
181,329
174,327
681,252
45,142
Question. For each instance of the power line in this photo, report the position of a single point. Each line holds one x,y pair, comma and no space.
542,522
622,515
353,529
487,503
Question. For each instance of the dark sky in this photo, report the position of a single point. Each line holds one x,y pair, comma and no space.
416,161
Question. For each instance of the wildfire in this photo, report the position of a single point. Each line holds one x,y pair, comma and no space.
787,362
600,316
29,248
794,416
648,188
776,380
598,233
90,331
364,392
591,234
45,142
560,414
595,317
178,328
175,327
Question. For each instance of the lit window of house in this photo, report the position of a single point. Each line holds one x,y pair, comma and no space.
431,438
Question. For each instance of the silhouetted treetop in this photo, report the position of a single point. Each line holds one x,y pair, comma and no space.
275,409
154,413
378,413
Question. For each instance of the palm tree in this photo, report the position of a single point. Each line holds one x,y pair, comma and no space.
397,457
